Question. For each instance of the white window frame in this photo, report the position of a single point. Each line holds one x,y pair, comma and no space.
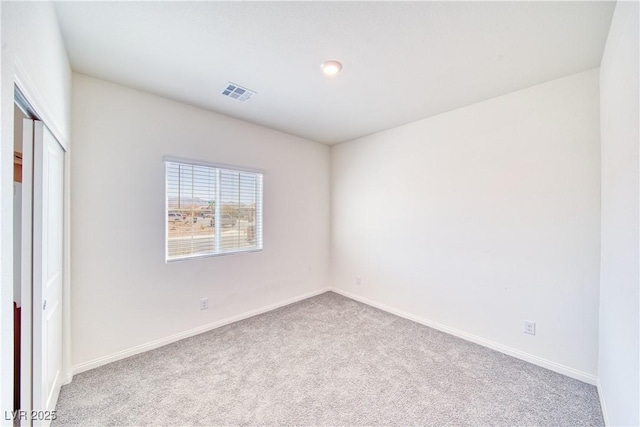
218,221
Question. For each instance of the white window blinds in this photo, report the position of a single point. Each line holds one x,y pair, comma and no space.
211,210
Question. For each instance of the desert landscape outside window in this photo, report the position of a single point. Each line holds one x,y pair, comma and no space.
211,210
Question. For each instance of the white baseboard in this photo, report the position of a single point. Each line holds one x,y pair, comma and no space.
603,404
186,334
556,367
553,366
68,377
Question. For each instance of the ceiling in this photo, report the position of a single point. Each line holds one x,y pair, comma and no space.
403,61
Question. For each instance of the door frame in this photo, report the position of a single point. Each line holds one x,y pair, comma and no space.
27,97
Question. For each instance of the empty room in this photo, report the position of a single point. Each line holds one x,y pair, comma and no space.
317,213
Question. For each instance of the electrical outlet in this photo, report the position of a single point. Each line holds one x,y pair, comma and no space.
358,281
204,303
529,327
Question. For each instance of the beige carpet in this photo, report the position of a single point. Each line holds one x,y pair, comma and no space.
326,360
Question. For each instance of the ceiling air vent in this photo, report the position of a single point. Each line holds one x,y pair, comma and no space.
236,92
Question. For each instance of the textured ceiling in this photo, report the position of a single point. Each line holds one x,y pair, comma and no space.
403,61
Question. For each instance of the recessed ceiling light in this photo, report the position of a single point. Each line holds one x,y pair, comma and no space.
331,68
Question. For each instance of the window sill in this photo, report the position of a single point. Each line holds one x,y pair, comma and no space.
221,254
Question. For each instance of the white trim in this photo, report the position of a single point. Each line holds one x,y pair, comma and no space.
556,367
66,286
37,102
603,404
232,168
27,267
195,331
553,366
211,254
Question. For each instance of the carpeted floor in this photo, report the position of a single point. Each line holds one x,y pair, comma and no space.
326,360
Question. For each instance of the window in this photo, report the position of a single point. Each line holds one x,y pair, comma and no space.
211,210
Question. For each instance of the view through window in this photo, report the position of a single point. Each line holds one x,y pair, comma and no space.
212,210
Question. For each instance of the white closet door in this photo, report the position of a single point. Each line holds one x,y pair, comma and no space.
48,214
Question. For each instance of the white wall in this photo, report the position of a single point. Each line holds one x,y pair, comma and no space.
619,359
124,294
480,218
32,47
